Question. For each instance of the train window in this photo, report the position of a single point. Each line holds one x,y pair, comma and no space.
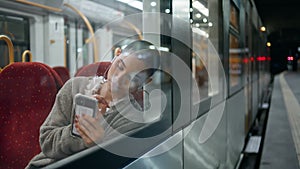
254,53
110,34
213,52
200,74
235,62
205,28
235,51
82,35
17,29
87,18
246,59
123,25
234,17
200,16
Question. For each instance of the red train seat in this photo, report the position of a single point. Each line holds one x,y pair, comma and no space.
98,68
58,81
28,92
63,72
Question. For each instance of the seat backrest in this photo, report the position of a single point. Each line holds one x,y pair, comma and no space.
28,92
59,82
93,69
63,72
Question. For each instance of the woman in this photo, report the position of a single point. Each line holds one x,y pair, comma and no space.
128,72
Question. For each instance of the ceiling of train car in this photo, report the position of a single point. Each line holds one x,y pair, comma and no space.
123,6
98,11
281,19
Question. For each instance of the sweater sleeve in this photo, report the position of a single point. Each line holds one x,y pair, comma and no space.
116,124
55,134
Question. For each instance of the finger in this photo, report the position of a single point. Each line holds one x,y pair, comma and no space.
98,115
83,135
101,100
99,97
91,127
92,136
96,129
85,126
101,112
90,122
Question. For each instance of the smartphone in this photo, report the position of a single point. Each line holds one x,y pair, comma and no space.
84,105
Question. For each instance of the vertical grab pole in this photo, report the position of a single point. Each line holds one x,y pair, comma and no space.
90,28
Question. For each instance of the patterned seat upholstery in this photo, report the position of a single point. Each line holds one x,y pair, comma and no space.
63,72
58,81
98,68
28,92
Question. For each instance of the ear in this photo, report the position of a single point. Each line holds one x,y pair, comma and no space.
117,51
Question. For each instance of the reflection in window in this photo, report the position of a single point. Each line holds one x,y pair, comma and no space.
235,63
199,60
205,29
246,60
235,58
200,28
234,17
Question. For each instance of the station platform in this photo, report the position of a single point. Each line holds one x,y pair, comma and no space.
281,145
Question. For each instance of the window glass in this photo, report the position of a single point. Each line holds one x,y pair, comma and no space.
254,53
81,37
17,29
199,60
116,26
234,17
235,61
235,50
205,26
246,59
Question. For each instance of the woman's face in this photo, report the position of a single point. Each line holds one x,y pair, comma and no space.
121,74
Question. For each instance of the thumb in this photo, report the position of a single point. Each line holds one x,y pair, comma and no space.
101,111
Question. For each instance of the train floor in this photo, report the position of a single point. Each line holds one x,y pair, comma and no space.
276,134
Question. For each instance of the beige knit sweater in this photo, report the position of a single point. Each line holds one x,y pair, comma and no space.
56,140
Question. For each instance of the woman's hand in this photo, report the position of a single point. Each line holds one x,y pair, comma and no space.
89,128
104,94
102,104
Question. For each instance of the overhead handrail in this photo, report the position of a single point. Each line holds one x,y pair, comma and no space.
86,21
138,32
24,56
89,26
10,47
39,5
